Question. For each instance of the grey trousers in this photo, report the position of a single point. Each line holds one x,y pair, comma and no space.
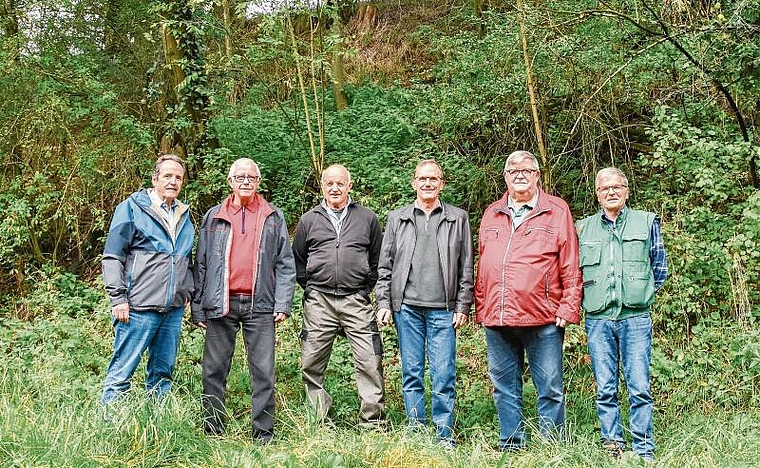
324,315
258,336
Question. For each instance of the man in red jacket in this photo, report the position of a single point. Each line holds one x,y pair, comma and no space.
528,289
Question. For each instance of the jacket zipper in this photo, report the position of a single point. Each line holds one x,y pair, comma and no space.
444,269
504,263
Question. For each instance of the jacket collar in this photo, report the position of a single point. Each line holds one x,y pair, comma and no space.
227,209
502,206
407,212
320,208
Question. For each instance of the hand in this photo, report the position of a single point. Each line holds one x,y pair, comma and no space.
383,317
279,317
121,312
459,319
201,324
560,322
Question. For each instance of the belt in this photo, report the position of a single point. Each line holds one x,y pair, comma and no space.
241,297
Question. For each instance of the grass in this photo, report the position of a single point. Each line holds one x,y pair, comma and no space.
52,370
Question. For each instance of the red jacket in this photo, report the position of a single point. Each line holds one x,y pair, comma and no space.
531,276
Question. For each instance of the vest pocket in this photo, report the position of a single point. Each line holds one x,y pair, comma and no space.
638,288
594,288
636,246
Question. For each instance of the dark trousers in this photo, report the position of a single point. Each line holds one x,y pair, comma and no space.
258,336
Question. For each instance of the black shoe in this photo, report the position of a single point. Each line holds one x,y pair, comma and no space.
262,437
212,429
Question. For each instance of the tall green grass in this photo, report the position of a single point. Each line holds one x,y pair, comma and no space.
52,367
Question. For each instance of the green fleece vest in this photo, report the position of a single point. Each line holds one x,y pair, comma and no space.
618,282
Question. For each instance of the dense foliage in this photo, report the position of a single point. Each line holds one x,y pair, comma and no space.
668,91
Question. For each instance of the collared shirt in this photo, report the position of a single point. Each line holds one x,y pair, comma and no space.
427,215
169,214
519,215
336,217
657,255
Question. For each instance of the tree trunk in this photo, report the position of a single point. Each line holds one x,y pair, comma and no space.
9,14
339,79
227,17
365,18
187,78
547,172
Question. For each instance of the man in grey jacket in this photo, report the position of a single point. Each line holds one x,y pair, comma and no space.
426,279
336,247
244,277
146,271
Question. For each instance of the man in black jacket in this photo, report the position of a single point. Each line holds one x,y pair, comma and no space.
336,248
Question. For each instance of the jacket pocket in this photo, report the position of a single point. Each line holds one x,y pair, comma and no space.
150,278
590,253
544,234
490,234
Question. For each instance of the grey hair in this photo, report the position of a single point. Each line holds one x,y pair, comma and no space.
335,166
521,154
168,157
428,162
610,171
249,161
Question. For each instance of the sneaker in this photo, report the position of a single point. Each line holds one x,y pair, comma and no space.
614,449
448,443
378,425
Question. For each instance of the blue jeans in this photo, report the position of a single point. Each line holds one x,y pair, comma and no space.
422,331
631,340
507,347
158,332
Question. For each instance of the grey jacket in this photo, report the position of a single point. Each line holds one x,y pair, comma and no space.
275,271
454,248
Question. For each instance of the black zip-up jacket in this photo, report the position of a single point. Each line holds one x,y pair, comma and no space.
338,265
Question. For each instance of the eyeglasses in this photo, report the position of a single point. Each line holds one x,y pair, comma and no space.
241,178
522,172
611,188
429,180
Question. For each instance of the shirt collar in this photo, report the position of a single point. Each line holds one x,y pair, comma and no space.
619,216
531,204
330,210
158,202
234,209
437,205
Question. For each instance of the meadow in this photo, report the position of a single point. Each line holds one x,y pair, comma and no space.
56,345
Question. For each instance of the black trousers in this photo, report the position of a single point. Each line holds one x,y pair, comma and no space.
258,336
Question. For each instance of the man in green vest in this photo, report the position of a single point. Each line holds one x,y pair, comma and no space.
624,263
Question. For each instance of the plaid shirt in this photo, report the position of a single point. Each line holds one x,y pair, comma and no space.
657,254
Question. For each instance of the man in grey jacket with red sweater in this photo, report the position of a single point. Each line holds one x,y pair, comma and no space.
336,248
244,276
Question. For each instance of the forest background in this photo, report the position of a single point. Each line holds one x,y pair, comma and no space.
92,90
